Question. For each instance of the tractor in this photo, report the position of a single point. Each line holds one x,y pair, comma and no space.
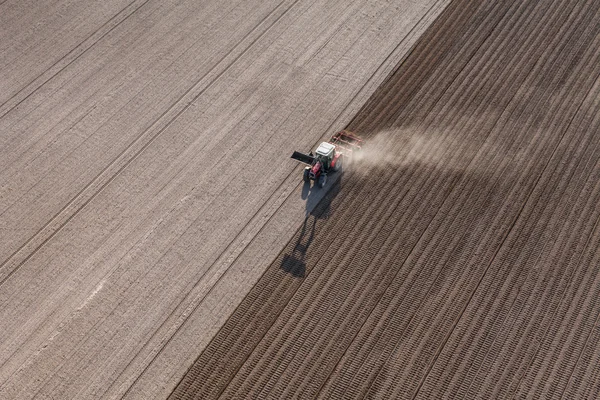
328,157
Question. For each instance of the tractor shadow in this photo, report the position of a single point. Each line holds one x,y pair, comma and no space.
294,262
318,208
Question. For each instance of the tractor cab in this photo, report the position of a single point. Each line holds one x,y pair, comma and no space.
325,154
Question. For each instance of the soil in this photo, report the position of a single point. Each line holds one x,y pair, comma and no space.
145,178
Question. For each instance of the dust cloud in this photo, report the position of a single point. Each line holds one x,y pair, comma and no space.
405,147
393,149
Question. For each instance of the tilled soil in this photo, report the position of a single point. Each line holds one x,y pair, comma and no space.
458,258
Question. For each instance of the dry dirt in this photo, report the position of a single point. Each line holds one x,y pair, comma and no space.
145,179
460,257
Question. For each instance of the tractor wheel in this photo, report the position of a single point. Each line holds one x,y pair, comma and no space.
338,165
322,181
306,177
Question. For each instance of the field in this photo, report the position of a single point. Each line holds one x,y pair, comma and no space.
157,241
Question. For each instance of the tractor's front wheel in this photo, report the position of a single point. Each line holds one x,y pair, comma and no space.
306,176
322,181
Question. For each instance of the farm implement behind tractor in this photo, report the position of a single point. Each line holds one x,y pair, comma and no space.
329,156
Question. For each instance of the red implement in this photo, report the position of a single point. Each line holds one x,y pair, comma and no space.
347,141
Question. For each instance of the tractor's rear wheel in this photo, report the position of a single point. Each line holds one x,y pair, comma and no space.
338,164
322,181
306,176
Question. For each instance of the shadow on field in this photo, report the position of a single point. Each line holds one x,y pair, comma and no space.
318,207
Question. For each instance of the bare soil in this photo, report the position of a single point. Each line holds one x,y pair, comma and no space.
459,257
145,179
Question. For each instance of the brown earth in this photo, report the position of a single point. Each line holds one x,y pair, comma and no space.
459,258
145,179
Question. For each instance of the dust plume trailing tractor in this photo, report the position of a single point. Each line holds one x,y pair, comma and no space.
329,156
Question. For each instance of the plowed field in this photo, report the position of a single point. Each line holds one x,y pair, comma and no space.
460,256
